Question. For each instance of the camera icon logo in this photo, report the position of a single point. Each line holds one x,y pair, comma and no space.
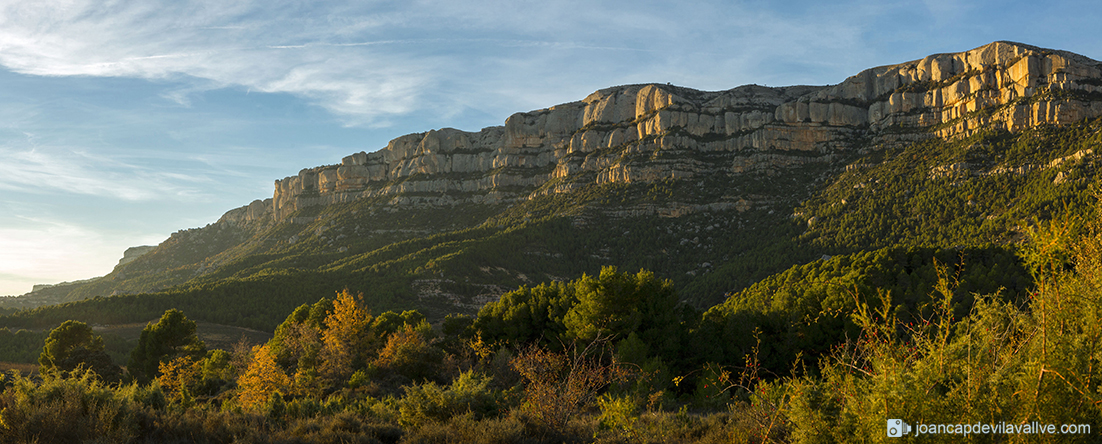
898,428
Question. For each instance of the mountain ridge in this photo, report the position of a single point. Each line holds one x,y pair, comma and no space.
708,171
943,90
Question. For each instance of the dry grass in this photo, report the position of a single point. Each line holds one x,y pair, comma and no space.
24,368
216,336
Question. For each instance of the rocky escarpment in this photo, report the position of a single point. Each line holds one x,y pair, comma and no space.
258,210
656,132
132,253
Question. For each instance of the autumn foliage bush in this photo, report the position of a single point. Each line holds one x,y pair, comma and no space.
559,385
408,353
262,379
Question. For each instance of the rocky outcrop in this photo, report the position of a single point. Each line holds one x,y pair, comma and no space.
132,253
1001,85
257,211
966,169
655,132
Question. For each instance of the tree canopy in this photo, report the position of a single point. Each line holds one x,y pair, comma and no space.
171,337
73,345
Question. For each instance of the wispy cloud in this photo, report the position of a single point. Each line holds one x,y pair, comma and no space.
221,43
52,170
369,62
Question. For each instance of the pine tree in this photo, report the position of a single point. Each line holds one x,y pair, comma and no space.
72,345
171,337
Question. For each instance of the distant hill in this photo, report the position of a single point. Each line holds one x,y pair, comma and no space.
713,190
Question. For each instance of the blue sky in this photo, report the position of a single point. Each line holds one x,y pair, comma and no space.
124,121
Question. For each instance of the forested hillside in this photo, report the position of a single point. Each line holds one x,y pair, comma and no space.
894,198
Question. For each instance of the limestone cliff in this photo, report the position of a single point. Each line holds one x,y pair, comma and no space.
1002,85
132,253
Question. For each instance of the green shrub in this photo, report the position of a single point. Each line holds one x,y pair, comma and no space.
618,413
713,387
468,394
1000,363
74,409
359,379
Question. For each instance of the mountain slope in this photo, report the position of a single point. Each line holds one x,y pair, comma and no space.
714,190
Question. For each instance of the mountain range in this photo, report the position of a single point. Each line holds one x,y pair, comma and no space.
714,190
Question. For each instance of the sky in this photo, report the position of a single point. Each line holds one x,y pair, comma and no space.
122,122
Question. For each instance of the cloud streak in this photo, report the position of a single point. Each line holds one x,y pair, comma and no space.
369,62
222,43
51,171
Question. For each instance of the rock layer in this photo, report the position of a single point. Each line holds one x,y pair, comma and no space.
751,128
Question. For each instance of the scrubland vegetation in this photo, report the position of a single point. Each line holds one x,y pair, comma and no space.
822,353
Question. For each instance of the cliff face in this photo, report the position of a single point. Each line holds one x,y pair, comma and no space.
723,173
1001,85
